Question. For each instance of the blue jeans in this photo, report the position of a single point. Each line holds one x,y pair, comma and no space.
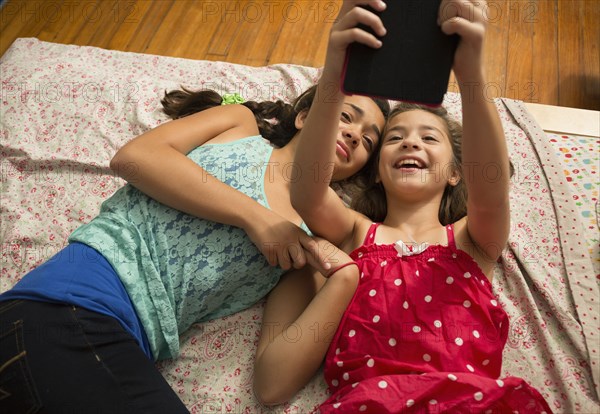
58,358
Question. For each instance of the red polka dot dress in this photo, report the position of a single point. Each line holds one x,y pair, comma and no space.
423,334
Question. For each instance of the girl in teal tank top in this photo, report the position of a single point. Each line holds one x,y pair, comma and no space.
181,269
194,269
204,228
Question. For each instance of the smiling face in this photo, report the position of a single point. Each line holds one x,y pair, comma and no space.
416,155
360,126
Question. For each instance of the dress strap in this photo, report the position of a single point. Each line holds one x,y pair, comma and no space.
450,234
370,237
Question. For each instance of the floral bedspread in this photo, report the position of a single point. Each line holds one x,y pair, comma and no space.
67,109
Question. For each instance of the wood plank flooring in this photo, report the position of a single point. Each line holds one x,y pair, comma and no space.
542,51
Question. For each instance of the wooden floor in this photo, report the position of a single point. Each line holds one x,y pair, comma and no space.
544,51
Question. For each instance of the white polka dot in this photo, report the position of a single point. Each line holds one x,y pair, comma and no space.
405,305
478,396
431,259
500,383
340,363
335,383
360,254
467,304
452,377
470,368
398,282
337,405
432,402
392,342
337,351
382,385
428,298
417,273
362,408
372,292
437,324
467,275
485,362
370,362
351,333
476,334
416,329
376,318
426,357
355,385
410,403
454,255
458,341
494,302
346,376
383,263
449,280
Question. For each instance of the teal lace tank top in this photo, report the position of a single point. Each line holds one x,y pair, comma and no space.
179,269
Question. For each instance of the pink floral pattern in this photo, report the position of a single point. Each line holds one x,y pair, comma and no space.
65,110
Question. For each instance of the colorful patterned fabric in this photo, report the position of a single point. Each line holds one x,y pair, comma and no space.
66,109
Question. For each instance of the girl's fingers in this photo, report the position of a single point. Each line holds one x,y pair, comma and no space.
360,15
343,39
317,254
470,10
283,259
464,18
346,31
463,27
348,5
297,256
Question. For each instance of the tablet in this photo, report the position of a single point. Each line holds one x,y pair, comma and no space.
414,62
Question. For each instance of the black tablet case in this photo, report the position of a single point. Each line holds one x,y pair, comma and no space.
414,62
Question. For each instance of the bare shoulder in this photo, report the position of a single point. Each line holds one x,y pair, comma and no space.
239,119
215,125
240,112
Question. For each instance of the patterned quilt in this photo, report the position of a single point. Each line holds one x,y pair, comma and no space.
67,109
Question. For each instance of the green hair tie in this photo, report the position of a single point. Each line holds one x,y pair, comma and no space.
232,98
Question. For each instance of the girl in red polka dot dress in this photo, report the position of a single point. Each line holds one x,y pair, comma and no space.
423,331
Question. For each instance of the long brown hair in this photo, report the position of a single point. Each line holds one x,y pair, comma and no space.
372,201
275,119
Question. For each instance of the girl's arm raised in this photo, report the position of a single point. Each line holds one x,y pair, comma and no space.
301,316
156,164
485,161
311,196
